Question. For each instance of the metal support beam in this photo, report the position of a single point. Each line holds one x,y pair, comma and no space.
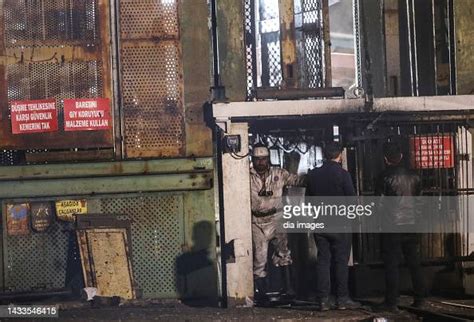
104,185
425,104
103,169
245,110
288,44
463,26
298,93
327,45
237,221
232,66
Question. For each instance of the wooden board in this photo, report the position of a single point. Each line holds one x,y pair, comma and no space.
106,262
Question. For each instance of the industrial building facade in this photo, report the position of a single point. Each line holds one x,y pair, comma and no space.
117,108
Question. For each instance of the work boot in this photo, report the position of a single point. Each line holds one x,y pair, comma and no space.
288,291
323,304
260,290
346,303
386,307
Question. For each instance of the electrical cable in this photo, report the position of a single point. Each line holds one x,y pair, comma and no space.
238,157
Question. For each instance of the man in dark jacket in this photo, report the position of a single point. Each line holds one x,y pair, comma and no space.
400,214
332,180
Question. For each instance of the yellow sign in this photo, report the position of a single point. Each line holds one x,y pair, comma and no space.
66,209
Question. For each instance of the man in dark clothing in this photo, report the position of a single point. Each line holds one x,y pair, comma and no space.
400,213
332,180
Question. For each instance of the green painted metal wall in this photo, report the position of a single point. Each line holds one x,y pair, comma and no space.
170,205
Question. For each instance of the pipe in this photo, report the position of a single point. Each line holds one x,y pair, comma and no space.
215,47
296,93
217,135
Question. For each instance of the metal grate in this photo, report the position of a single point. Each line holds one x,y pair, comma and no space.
50,22
153,118
148,18
312,62
9,157
152,78
357,49
262,36
274,63
250,47
310,43
157,237
37,260
54,80
269,35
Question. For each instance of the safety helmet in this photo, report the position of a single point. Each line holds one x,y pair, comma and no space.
260,151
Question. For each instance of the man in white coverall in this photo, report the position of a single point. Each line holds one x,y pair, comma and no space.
266,186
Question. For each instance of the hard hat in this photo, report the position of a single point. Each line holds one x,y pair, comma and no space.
260,152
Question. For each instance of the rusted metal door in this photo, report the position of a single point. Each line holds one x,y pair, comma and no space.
151,78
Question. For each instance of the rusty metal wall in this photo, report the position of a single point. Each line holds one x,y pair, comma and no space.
54,49
52,22
151,78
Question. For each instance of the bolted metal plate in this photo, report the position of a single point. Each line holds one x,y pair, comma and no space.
148,18
50,22
36,261
157,235
152,99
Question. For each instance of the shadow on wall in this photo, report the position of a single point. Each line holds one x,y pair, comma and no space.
196,269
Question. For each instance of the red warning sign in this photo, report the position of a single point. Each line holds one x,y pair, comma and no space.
34,116
432,151
87,114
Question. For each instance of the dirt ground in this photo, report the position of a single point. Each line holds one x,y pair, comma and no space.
173,310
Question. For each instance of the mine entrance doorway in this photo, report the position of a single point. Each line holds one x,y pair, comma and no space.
439,150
